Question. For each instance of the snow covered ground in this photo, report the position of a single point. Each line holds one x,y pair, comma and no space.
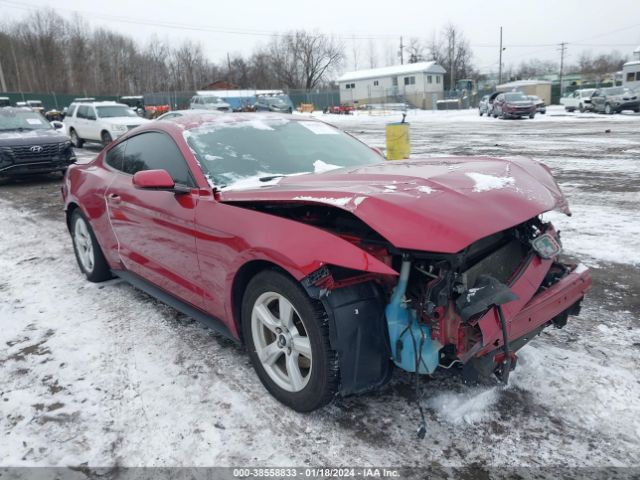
104,375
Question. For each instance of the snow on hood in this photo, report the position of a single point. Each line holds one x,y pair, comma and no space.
435,204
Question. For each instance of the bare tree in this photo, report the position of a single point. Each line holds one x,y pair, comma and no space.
416,50
372,54
451,50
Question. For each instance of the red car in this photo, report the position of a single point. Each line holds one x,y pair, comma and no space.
513,105
331,264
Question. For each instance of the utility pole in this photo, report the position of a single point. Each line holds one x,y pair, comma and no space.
500,61
452,54
563,48
401,53
3,84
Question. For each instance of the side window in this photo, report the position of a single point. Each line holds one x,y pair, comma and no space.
83,110
156,151
91,113
71,110
115,156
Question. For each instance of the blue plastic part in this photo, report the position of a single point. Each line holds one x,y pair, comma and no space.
406,334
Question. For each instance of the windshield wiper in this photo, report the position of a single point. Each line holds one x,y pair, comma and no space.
271,177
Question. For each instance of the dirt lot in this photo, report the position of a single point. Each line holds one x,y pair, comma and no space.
104,375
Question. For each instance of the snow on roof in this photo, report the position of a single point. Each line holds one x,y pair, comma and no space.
523,83
631,64
238,93
430,67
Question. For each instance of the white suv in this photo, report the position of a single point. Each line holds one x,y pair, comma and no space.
99,122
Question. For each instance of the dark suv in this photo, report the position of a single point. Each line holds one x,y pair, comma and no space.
29,144
614,100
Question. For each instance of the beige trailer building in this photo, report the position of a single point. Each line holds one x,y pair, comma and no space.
420,84
541,88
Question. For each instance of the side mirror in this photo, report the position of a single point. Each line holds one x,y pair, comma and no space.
57,125
157,180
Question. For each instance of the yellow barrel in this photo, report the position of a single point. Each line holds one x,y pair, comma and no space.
398,142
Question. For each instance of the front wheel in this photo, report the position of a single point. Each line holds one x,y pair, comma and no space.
581,108
88,253
287,335
75,139
106,138
607,109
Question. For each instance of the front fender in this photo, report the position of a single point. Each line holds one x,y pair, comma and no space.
228,237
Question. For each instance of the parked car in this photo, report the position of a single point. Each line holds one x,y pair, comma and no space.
340,109
541,107
614,100
36,106
513,105
181,113
285,234
578,100
30,145
273,103
209,102
99,122
486,104
5,102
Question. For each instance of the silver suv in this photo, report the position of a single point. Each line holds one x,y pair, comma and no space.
209,102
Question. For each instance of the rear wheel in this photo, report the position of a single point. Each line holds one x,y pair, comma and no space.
581,108
607,109
532,115
75,139
287,335
88,253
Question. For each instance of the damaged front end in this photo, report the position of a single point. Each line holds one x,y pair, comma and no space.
473,309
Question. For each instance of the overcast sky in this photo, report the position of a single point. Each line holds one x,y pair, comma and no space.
531,28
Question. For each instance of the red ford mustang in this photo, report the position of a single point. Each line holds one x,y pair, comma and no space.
331,264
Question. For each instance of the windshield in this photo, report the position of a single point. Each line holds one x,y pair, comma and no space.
211,100
614,91
12,120
115,111
264,148
514,97
587,93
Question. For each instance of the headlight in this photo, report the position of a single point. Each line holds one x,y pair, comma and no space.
119,128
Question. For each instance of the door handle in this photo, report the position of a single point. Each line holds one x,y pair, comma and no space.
114,198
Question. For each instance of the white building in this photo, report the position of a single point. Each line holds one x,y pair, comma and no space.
417,83
631,71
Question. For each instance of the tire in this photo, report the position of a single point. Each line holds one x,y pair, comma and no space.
581,108
315,373
532,116
480,112
607,109
75,139
106,138
88,252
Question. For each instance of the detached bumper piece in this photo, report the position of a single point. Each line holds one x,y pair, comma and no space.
526,317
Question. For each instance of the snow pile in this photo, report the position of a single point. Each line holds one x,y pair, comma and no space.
484,183
470,407
320,167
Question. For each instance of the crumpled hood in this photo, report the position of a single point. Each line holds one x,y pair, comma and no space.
434,204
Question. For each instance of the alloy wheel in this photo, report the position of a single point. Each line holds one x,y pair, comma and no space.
281,341
84,245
